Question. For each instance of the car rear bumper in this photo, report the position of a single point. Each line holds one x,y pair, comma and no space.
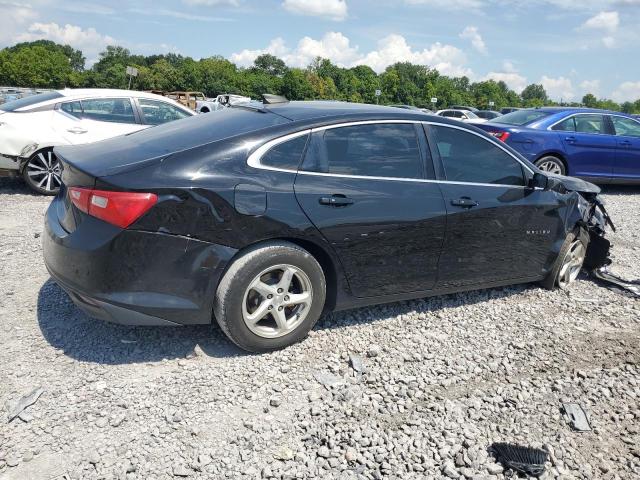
133,277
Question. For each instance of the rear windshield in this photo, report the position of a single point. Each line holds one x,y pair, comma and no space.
520,117
29,101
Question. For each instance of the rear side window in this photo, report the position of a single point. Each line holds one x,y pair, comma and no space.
568,125
521,117
378,150
285,155
590,124
117,110
469,158
156,112
30,101
626,127
72,108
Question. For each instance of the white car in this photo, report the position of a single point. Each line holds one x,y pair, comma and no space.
30,127
466,116
220,102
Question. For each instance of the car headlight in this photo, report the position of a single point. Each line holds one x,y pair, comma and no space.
28,150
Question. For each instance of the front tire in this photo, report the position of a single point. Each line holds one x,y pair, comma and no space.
551,164
270,297
569,262
42,173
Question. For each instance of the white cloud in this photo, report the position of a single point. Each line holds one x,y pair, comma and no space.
607,21
447,59
89,41
335,46
514,81
13,18
473,35
560,88
609,42
590,86
465,5
332,9
627,91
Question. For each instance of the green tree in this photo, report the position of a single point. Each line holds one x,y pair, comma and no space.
296,86
589,100
270,64
534,95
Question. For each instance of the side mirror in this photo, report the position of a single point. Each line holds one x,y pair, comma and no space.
539,180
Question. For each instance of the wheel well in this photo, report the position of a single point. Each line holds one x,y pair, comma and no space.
321,256
558,156
204,110
23,161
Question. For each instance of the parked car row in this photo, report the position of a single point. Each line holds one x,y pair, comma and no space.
600,146
31,127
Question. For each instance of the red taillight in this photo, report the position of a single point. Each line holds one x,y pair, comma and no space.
118,208
502,136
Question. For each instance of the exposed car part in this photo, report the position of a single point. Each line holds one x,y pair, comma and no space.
602,274
576,417
527,460
24,402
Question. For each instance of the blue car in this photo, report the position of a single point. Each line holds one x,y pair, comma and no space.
597,145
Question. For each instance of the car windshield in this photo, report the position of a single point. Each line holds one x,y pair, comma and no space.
29,101
520,117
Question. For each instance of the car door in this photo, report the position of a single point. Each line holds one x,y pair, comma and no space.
363,186
498,229
589,144
627,163
94,119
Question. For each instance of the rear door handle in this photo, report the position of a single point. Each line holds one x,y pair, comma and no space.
336,201
464,202
570,139
625,143
77,130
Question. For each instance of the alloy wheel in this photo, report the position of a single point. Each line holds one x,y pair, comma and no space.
571,264
550,165
277,301
44,172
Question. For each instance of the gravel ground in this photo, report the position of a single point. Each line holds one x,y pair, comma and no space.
417,389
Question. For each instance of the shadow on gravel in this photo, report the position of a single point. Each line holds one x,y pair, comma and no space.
16,186
620,190
67,328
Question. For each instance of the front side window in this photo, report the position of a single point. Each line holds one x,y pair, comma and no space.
469,158
590,124
626,127
285,155
378,150
116,110
156,112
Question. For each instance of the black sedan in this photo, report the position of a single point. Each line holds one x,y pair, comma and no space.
264,216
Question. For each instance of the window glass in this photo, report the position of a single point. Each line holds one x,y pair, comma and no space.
469,158
155,112
285,155
117,110
568,125
626,127
29,101
378,150
521,117
72,108
590,124
449,113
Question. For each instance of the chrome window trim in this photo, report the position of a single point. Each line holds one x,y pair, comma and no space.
254,158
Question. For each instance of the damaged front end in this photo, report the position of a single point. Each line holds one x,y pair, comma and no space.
591,216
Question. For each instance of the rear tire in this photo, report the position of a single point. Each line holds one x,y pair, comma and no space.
42,173
569,262
270,297
551,164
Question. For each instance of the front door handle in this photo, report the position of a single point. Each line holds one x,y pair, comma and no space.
625,143
77,130
336,201
465,202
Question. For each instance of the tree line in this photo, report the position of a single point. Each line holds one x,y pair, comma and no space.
45,64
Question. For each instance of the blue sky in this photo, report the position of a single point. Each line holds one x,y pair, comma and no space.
570,46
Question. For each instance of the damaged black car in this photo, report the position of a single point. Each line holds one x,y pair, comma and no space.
265,215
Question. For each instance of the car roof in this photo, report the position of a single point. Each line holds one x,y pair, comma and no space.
576,110
318,110
104,92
